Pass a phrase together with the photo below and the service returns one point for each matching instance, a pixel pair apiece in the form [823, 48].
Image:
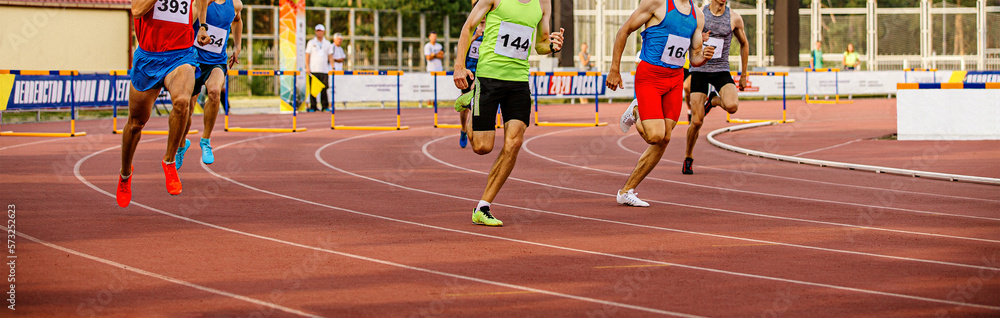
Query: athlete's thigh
[671, 102]
[516, 103]
[730, 94]
[140, 103]
[487, 95]
[514, 129]
[216, 79]
[180, 82]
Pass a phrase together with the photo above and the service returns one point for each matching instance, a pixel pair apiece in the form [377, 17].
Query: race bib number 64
[172, 10]
[674, 51]
[218, 37]
[514, 40]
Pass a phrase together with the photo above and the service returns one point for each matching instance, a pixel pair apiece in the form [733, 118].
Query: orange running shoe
[124, 192]
[173, 182]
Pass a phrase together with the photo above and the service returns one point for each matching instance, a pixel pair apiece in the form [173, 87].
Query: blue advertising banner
[577, 85]
[982, 77]
[56, 91]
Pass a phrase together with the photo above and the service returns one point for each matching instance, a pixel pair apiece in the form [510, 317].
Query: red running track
[335, 223]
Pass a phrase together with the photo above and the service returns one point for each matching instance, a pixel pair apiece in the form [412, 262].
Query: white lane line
[527, 149]
[719, 271]
[849, 227]
[826, 148]
[79, 176]
[621, 145]
[30, 143]
[164, 277]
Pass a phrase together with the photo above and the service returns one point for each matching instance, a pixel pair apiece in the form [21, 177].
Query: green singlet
[508, 40]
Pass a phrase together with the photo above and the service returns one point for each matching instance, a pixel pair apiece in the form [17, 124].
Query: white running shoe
[628, 117]
[629, 198]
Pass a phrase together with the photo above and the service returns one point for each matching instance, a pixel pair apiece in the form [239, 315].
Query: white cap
[320, 27]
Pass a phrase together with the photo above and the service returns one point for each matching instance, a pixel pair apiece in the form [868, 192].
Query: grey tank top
[722, 29]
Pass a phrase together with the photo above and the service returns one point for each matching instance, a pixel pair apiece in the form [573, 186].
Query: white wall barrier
[949, 111]
[420, 86]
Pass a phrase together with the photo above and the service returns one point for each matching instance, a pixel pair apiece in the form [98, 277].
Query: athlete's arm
[237, 27]
[639, 17]
[201, 9]
[741, 36]
[465, 41]
[140, 7]
[698, 54]
[543, 38]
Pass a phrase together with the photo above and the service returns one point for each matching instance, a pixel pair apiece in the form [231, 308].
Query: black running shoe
[708, 103]
[686, 169]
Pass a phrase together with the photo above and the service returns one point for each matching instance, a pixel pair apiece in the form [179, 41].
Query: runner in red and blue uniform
[673, 29]
[165, 59]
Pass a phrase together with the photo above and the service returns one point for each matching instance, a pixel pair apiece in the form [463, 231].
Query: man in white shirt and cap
[319, 57]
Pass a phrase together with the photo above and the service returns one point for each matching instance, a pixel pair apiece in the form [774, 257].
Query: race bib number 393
[218, 36]
[172, 10]
[514, 40]
[474, 49]
[674, 51]
[717, 44]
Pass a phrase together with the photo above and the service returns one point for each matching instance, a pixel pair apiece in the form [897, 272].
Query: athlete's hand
[203, 37]
[704, 35]
[614, 81]
[743, 82]
[460, 74]
[707, 51]
[234, 59]
[556, 38]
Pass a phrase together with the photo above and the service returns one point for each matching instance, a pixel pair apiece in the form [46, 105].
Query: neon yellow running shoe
[463, 101]
[482, 216]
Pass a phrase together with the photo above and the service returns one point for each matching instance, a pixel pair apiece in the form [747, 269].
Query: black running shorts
[701, 80]
[206, 72]
[512, 98]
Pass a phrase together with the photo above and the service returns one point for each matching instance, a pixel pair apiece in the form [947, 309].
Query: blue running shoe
[206, 152]
[463, 140]
[179, 159]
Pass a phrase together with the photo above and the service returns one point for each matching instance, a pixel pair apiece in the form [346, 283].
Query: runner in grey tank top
[720, 30]
[711, 84]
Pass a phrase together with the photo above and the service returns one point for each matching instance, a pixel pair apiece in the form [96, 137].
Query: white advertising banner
[421, 86]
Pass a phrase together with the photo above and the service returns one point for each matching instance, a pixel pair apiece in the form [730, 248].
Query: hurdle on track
[333, 108]
[114, 109]
[836, 86]
[784, 100]
[276, 74]
[72, 108]
[597, 115]
[458, 126]
[907, 71]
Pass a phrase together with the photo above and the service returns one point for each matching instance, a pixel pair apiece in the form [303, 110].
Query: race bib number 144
[514, 40]
[172, 11]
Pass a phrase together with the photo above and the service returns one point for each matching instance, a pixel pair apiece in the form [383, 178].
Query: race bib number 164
[674, 50]
[514, 40]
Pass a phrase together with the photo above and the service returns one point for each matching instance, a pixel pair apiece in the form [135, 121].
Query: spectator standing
[434, 53]
[851, 59]
[319, 56]
[817, 56]
[339, 56]
[585, 63]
